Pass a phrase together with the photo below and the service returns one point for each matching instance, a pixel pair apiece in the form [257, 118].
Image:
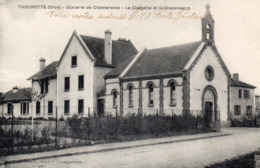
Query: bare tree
[33, 96]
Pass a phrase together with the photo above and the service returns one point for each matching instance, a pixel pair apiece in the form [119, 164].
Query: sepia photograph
[133, 84]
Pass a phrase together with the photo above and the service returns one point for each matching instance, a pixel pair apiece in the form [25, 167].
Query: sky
[26, 35]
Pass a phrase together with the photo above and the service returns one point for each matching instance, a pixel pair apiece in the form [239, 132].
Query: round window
[209, 73]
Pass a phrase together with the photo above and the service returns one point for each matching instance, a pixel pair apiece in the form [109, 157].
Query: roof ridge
[132, 63]
[125, 41]
[119, 66]
[174, 45]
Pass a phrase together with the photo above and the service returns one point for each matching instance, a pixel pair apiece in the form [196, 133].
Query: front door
[208, 114]
[100, 107]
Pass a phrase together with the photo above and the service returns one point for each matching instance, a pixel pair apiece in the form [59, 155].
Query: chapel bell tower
[207, 24]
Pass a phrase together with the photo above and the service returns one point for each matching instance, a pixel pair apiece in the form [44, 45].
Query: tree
[34, 96]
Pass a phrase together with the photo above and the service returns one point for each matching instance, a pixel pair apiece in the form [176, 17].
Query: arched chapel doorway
[209, 106]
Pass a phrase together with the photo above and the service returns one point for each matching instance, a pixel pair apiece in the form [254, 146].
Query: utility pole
[12, 109]
[56, 127]
[32, 121]
[35, 97]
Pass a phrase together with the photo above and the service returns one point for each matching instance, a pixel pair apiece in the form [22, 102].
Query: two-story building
[242, 98]
[257, 104]
[44, 84]
[72, 84]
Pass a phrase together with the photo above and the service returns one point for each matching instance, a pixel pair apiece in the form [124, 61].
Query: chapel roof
[166, 60]
[120, 68]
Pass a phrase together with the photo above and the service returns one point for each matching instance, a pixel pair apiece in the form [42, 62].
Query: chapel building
[177, 79]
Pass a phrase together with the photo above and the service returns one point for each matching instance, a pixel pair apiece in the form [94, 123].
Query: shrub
[51, 118]
[40, 118]
[110, 127]
[46, 133]
[61, 118]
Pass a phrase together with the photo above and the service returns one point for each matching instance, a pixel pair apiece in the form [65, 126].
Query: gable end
[84, 47]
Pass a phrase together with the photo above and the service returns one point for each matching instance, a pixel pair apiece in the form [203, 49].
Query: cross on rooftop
[207, 7]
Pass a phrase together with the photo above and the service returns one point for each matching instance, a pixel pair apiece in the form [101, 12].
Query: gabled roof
[121, 50]
[48, 71]
[94, 49]
[22, 94]
[236, 83]
[160, 61]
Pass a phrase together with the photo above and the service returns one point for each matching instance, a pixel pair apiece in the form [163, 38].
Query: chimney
[15, 89]
[108, 46]
[236, 76]
[42, 63]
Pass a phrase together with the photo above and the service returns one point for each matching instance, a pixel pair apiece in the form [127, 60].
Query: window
[81, 82]
[209, 73]
[46, 82]
[66, 107]
[81, 106]
[50, 107]
[248, 110]
[237, 109]
[246, 94]
[114, 93]
[208, 31]
[38, 107]
[44, 86]
[130, 89]
[172, 94]
[9, 108]
[74, 61]
[239, 93]
[150, 94]
[67, 84]
[25, 108]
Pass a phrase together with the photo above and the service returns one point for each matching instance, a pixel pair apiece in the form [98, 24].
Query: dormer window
[73, 61]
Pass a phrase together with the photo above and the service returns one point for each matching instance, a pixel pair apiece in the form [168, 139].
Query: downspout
[121, 95]
[57, 92]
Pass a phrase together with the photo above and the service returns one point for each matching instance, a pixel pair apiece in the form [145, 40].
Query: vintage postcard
[136, 83]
